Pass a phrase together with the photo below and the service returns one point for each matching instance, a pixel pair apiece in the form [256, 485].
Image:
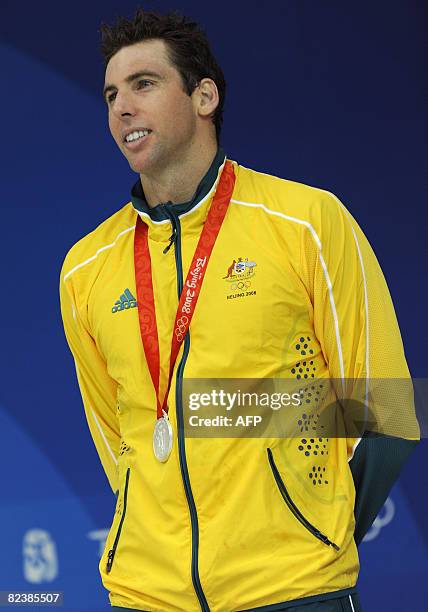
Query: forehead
[150, 55]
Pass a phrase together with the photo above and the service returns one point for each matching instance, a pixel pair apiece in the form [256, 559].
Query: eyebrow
[130, 78]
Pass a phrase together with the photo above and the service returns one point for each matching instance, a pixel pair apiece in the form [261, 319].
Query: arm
[97, 388]
[355, 322]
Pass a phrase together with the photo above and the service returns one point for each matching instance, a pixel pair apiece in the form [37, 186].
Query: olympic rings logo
[181, 327]
[385, 516]
[240, 285]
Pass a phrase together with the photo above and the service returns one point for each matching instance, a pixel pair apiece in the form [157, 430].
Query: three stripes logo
[125, 302]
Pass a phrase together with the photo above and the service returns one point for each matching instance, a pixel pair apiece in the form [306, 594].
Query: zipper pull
[173, 225]
[171, 241]
[109, 560]
[325, 539]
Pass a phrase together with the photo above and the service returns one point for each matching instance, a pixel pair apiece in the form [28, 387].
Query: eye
[143, 84]
[111, 97]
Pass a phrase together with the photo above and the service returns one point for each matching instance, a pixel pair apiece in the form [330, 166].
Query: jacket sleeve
[356, 325]
[97, 388]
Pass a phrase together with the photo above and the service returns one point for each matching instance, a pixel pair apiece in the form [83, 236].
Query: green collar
[158, 213]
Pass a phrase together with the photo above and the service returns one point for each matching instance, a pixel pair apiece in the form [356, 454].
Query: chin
[145, 164]
[139, 165]
[139, 161]
[135, 167]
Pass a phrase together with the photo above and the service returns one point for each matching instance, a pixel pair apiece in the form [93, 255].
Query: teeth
[137, 134]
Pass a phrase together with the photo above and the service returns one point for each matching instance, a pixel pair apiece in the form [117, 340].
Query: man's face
[144, 93]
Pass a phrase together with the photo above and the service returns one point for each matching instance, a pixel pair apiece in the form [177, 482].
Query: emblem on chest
[240, 278]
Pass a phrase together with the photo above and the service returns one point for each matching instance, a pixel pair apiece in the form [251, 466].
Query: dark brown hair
[187, 45]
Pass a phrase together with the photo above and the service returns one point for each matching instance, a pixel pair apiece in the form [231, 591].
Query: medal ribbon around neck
[191, 288]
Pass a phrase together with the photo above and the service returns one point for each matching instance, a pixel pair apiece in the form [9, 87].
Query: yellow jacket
[228, 524]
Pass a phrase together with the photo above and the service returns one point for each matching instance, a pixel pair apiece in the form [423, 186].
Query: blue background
[326, 93]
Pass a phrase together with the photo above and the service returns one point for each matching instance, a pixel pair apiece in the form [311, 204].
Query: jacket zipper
[294, 509]
[112, 551]
[176, 238]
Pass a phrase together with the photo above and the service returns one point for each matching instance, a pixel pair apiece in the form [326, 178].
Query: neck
[178, 181]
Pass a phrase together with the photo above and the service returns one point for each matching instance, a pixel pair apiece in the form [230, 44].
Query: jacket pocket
[112, 551]
[294, 509]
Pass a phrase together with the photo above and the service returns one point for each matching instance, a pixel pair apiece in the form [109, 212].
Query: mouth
[134, 139]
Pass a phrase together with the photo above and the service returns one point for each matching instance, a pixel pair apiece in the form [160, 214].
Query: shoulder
[97, 244]
[296, 201]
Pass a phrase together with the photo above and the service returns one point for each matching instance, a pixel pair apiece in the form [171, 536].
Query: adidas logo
[126, 301]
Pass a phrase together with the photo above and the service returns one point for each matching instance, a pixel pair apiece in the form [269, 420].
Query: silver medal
[162, 438]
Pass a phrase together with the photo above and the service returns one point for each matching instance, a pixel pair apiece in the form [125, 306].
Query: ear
[206, 97]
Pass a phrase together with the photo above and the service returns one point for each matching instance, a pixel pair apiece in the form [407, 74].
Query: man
[221, 524]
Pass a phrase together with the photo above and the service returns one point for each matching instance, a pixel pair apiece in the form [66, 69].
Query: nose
[123, 105]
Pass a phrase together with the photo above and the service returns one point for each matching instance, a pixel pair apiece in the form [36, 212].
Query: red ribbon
[191, 288]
